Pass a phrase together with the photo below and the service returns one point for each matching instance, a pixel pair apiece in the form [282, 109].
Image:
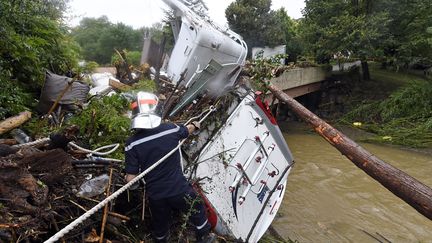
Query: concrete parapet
[299, 77]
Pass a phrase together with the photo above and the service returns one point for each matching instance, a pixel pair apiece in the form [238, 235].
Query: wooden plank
[14, 122]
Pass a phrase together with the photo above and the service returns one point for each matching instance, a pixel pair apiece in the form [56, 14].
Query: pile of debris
[42, 188]
[47, 182]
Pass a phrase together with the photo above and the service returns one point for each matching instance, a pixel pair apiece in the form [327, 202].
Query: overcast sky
[138, 13]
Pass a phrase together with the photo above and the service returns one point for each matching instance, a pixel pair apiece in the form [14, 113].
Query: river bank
[393, 107]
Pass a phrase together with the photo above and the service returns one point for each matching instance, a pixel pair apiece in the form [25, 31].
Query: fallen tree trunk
[412, 191]
[14, 122]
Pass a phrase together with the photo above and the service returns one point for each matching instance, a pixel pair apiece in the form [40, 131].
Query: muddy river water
[328, 199]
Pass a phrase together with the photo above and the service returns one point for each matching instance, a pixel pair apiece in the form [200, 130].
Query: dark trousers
[161, 211]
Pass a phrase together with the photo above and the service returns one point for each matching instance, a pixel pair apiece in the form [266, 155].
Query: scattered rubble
[45, 186]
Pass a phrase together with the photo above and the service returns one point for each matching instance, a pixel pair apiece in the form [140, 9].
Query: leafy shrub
[134, 58]
[262, 69]
[147, 85]
[32, 38]
[104, 122]
[13, 99]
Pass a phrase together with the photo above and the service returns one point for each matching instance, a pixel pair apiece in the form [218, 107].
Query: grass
[392, 78]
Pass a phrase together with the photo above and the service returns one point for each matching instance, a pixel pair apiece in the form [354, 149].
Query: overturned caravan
[239, 161]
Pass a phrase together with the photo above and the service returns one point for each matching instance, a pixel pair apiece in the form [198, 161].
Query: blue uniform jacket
[146, 147]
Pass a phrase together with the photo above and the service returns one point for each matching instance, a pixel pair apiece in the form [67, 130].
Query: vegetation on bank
[397, 108]
[103, 121]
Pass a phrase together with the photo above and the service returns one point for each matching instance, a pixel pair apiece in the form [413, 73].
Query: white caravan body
[245, 166]
[198, 41]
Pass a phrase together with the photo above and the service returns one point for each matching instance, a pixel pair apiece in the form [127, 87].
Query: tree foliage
[32, 38]
[98, 38]
[410, 41]
[260, 26]
[289, 28]
[103, 122]
[393, 32]
[338, 26]
[133, 58]
[249, 19]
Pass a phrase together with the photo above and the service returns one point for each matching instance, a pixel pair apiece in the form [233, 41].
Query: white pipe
[96, 151]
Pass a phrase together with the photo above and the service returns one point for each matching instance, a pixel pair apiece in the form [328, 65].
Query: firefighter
[166, 187]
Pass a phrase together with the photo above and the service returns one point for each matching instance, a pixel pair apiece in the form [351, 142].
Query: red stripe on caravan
[265, 107]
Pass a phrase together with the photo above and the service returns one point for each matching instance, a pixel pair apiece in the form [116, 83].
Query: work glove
[137, 185]
[196, 124]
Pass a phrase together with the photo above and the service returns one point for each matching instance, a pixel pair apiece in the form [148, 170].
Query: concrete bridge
[300, 81]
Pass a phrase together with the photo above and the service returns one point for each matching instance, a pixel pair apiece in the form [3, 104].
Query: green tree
[260, 26]
[393, 32]
[133, 58]
[99, 38]
[410, 41]
[118, 36]
[249, 18]
[88, 33]
[288, 28]
[338, 26]
[256, 22]
[33, 38]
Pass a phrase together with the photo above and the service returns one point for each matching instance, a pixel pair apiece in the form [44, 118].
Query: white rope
[86, 215]
[104, 159]
[34, 143]
[96, 151]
